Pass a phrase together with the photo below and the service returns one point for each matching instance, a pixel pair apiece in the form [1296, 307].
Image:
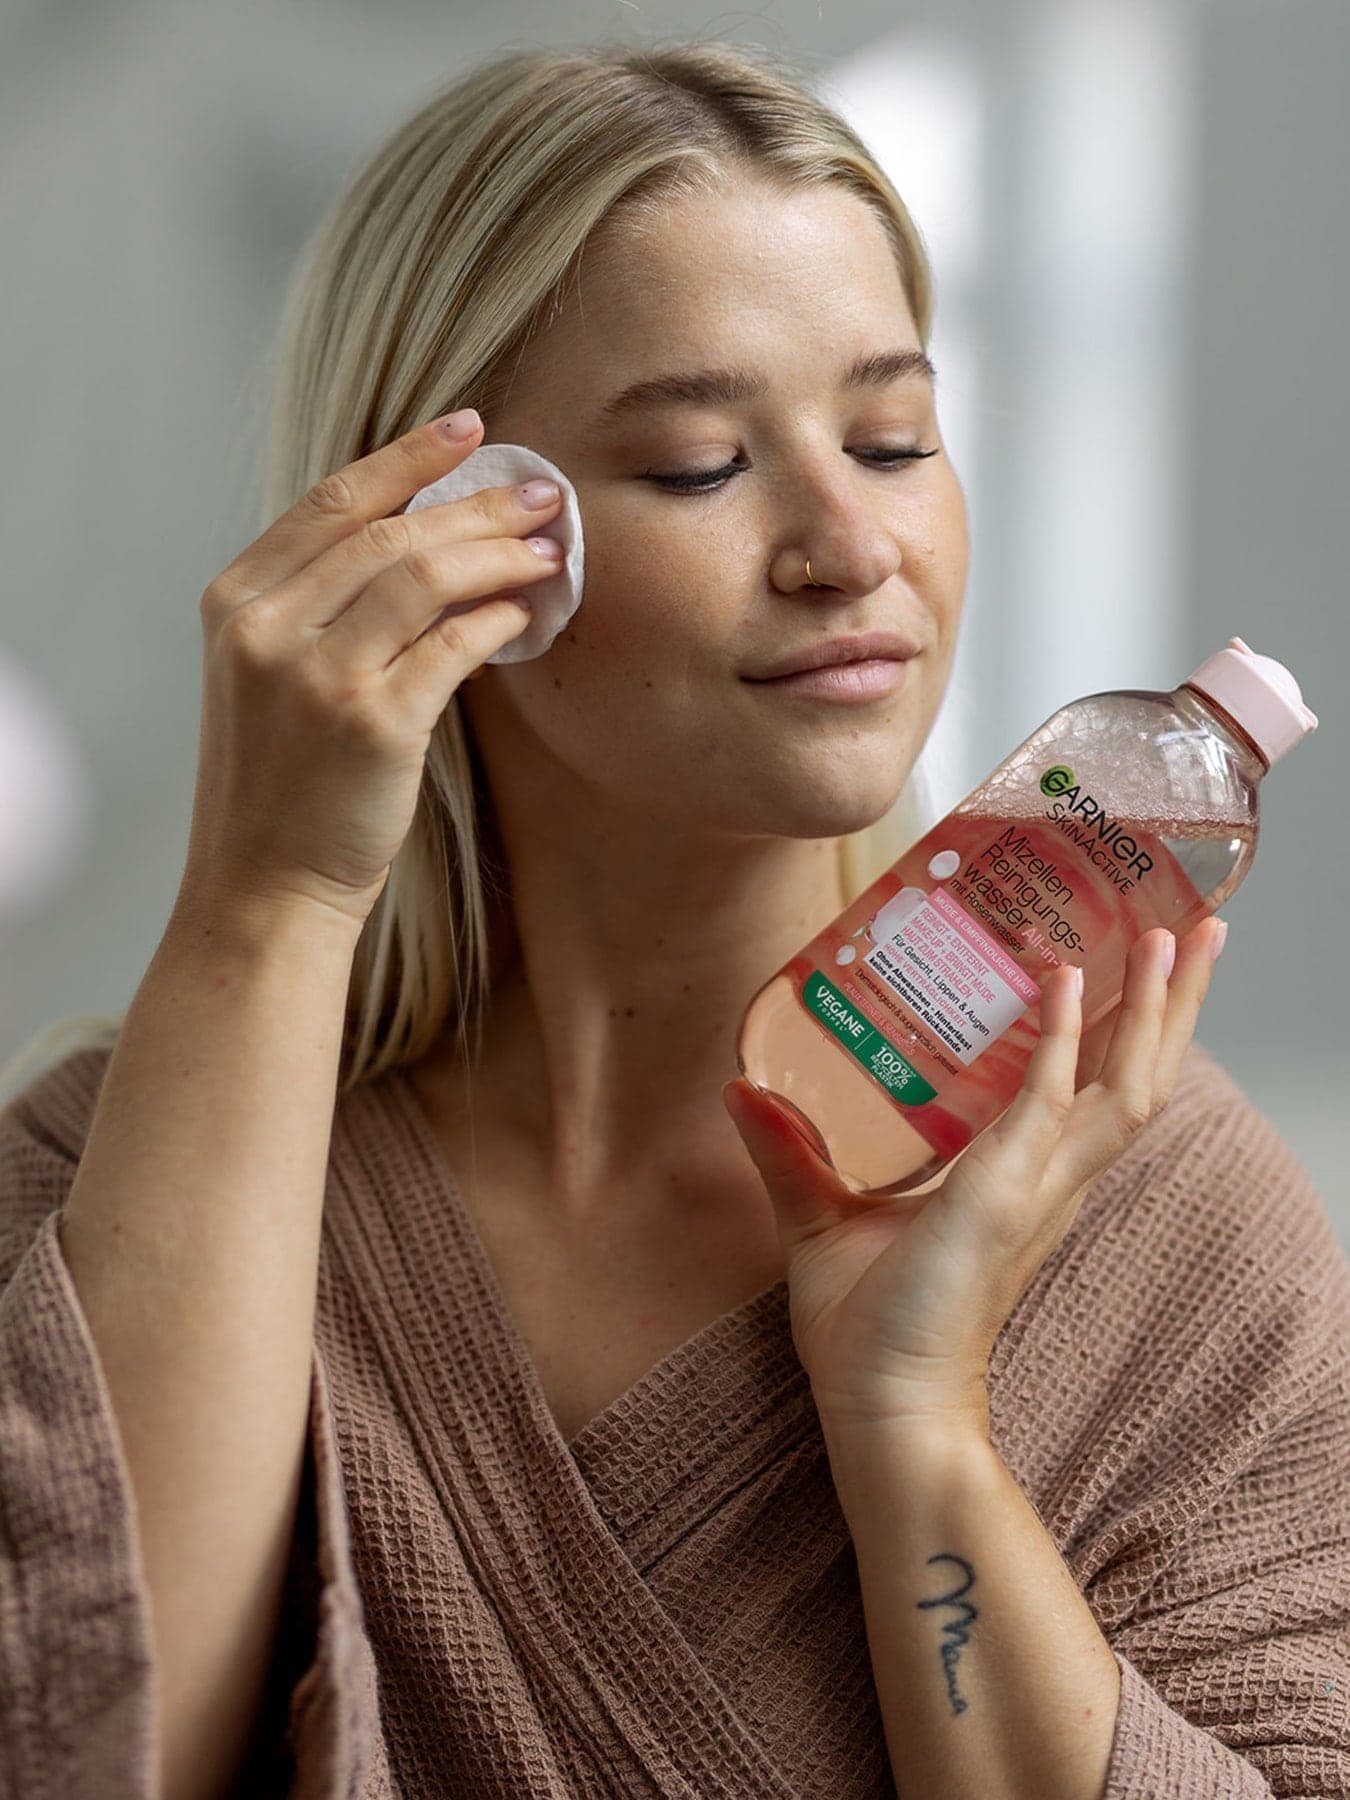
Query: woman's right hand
[326, 665]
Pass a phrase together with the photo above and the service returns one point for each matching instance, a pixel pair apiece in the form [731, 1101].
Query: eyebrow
[730, 387]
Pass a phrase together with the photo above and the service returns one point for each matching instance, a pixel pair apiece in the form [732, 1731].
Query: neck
[624, 960]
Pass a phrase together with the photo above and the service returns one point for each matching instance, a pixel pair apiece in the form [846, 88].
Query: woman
[605, 1457]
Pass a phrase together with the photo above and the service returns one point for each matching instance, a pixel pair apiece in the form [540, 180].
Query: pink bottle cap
[1261, 695]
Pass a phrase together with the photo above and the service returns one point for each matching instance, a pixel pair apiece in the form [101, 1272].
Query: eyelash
[707, 481]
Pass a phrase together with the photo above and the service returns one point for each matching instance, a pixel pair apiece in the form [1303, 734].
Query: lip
[868, 646]
[870, 679]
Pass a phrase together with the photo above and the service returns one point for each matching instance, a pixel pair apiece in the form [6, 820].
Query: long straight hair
[419, 289]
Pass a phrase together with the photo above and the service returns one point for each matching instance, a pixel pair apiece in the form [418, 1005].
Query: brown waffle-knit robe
[669, 1605]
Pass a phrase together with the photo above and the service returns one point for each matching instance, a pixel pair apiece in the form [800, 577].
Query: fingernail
[460, 425]
[1078, 979]
[1169, 955]
[537, 494]
[1220, 939]
[545, 546]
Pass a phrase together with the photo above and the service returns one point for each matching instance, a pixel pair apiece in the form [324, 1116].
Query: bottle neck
[1191, 703]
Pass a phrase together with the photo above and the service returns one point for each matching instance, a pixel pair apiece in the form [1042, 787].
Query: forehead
[747, 273]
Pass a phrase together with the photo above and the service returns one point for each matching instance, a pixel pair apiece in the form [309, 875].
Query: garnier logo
[1087, 820]
[1056, 780]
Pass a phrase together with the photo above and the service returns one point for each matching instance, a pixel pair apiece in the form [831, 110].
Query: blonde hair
[449, 249]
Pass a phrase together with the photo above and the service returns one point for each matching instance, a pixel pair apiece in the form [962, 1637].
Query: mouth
[866, 667]
[872, 678]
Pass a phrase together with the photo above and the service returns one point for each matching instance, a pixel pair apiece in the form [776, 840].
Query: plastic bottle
[902, 1030]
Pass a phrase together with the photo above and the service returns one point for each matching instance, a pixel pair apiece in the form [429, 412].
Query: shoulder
[1213, 1201]
[1201, 1292]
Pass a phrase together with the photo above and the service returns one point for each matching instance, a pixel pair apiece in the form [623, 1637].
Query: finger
[803, 1187]
[1093, 1045]
[424, 677]
[1186, 995]
[340, 503]
[1025, 1133]
[1127, 1072]
[1119, 1100]
[445, 582]
[324, 591]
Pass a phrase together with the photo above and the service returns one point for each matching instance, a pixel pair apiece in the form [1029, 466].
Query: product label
[935, 972]
[951, 974]
[877, 1055]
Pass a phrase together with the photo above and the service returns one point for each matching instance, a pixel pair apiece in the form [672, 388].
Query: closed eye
[704, 481]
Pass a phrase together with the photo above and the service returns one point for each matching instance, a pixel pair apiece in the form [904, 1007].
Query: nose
[851, 536]
[838, 566]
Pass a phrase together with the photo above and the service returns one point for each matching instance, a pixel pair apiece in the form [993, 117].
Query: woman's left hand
[896, 1304]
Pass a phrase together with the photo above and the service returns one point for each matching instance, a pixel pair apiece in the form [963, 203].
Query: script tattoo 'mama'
[954, 1630]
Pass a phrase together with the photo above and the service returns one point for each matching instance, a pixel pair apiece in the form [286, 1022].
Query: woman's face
[644, 697]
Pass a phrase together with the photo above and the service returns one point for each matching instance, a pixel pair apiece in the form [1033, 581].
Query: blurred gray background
[1137, 213]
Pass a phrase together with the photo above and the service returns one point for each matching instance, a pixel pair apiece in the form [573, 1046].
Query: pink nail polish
[1169, 955]
[460, 425]
[1221, 938]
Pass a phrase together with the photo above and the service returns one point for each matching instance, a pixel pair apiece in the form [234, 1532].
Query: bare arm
[192, 1233]
[191, 1229]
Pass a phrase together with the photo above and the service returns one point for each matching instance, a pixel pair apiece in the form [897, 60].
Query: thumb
[800, 1182]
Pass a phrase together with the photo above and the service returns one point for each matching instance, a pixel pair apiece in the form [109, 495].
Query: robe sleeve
[1234, 1649]
[78, 1678]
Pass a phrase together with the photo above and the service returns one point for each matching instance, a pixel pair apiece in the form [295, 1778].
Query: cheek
[650, 595]
[936, 542]
[956, 518]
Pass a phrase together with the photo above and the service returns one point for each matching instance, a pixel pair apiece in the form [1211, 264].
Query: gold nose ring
[810, 578]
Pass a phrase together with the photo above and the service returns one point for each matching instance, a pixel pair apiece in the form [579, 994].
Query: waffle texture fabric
[552, 601]
[668, 1605]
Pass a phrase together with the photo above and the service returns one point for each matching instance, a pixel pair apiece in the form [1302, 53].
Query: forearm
[191, 1232]
[993, 1678]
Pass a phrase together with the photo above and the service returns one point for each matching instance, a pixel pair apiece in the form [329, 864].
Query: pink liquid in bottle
[903, 1029]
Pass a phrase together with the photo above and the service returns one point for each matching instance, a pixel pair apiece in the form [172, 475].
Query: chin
[807, 814]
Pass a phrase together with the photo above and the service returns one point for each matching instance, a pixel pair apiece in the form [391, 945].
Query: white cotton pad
[551, 601]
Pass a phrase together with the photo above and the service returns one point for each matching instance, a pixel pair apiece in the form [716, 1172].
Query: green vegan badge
[877, 1054]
